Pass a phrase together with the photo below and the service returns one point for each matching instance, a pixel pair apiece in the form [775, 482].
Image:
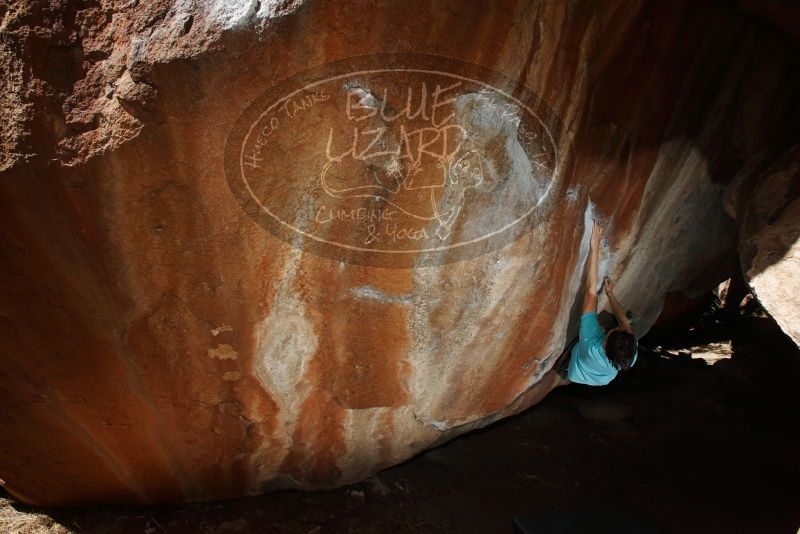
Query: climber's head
[620, 348]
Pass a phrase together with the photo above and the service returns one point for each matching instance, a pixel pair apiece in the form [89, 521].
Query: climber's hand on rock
[608, 285]
[597, 233]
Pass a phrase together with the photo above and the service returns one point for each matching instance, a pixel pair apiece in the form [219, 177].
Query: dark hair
[620, 348]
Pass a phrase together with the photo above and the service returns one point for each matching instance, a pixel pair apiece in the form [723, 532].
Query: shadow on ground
[677, 444]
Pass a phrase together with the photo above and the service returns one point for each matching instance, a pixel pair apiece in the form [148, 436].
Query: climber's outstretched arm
[590, 290]
[616, 307]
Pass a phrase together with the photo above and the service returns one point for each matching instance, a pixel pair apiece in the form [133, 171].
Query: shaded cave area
[700, 436]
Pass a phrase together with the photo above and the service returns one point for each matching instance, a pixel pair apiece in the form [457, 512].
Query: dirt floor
[679, 444]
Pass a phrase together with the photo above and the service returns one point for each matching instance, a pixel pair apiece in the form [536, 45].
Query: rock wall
[177, 329]
[769, 239]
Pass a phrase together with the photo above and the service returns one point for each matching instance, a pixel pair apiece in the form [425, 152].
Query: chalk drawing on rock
[388, 159]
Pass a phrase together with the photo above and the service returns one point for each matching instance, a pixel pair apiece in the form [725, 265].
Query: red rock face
[167, 341]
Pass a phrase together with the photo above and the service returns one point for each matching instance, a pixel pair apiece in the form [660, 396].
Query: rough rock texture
[160, 345]
[769, 233]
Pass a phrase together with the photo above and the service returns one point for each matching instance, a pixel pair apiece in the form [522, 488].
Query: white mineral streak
[285, 347]
[477, 297]
[232, 14]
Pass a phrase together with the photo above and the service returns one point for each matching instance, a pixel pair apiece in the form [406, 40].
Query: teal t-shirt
[589, 363]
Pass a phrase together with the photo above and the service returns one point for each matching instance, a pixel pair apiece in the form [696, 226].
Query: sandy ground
[677, 443]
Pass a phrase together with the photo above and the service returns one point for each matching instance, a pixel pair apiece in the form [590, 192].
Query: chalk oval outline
[558, 153]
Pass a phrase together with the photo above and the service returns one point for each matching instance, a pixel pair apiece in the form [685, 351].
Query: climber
[597, 356]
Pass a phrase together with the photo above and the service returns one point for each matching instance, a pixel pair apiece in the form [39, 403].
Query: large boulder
[254, 245]
[769, 234]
